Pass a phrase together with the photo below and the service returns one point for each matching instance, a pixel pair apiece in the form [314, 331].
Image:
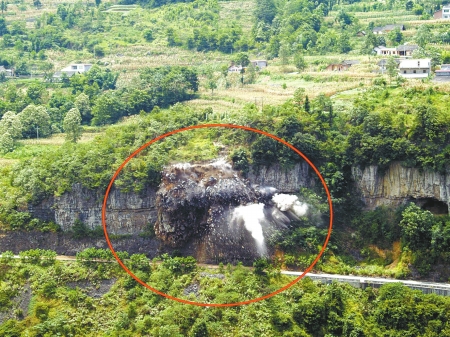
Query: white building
[415, 68]
[235, 69]
[7, 72]
[405, 50]
[76, 68]
[259, 63]
[443, 13]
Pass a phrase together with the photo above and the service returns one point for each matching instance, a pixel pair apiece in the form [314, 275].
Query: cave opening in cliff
[433, 205]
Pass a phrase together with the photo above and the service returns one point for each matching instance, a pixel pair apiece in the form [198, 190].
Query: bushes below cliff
[99, 299]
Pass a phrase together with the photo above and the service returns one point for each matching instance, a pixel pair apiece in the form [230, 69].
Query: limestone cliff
[127, 212]
[284, 180]
[400, 184]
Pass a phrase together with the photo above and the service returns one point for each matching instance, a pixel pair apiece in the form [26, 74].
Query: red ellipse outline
[232, 126]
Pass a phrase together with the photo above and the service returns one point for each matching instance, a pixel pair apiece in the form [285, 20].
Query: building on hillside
[338, 67]
[405, 50]
[415, 68]
[386, 29]
[361, 33]
[75, 68]
[260, 64]
[385, 51]
[344, 65]
[350, 62]
[443, 13]
[235, 69]
[383, 63]
[7, 72]
[444, 71]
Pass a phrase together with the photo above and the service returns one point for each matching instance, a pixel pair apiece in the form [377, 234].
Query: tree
[429, 52]
[391, 67]
[47, 68]
[299, 61]
[251, 73]
[284, 54]
[35, 92]
[3, 7]
[370, 42]
[241, 59]
[299, 96]
[199, 330]
[97, 2]
[35, 121]
[172, 38]
[307, 105]
[265, 11]
[37, 3]
[395, 36]
[10, 123]
[72, 125]
[6, 142]
[211, 80]
[3, 28]
[417, 9]
[83, 105]
[108, 108]
[423, 35]
[260, 265]
[343, 43]
[409, 5]
[148, 35]
[344, 19]
[416, 227]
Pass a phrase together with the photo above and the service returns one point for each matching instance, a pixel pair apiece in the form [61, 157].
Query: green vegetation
[148, 57]
[92, 298]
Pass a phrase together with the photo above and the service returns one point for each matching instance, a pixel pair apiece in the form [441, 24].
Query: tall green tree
[422, 36]
[3, 6]
[11, 123]
[299, 61]
[3, 28]
[391, 68]
[72, 125]
[416, 227]
[83, 105]
[241, 59]
[265, 11]
[35, 121]
[284, 54]
[395, 36]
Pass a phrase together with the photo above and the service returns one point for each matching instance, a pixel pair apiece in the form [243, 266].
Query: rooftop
[416, 63]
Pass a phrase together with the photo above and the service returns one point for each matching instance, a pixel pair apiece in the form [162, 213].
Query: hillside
[84, 85]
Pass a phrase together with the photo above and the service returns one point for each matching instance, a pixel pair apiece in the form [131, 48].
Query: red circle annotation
[232, 126]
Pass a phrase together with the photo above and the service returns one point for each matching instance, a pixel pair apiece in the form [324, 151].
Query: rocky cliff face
[127, 212]
[192, 197]
[130, 213]
[400, 184]
[284, 180]
[192, 210]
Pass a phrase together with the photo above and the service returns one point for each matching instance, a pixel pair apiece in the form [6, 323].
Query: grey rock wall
[399, 184]
[127, 212]
[285, 180]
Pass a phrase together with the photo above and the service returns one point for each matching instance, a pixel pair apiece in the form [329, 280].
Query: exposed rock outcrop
[284, 180]
[127, 212]
[400, 184]
[192, 197]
